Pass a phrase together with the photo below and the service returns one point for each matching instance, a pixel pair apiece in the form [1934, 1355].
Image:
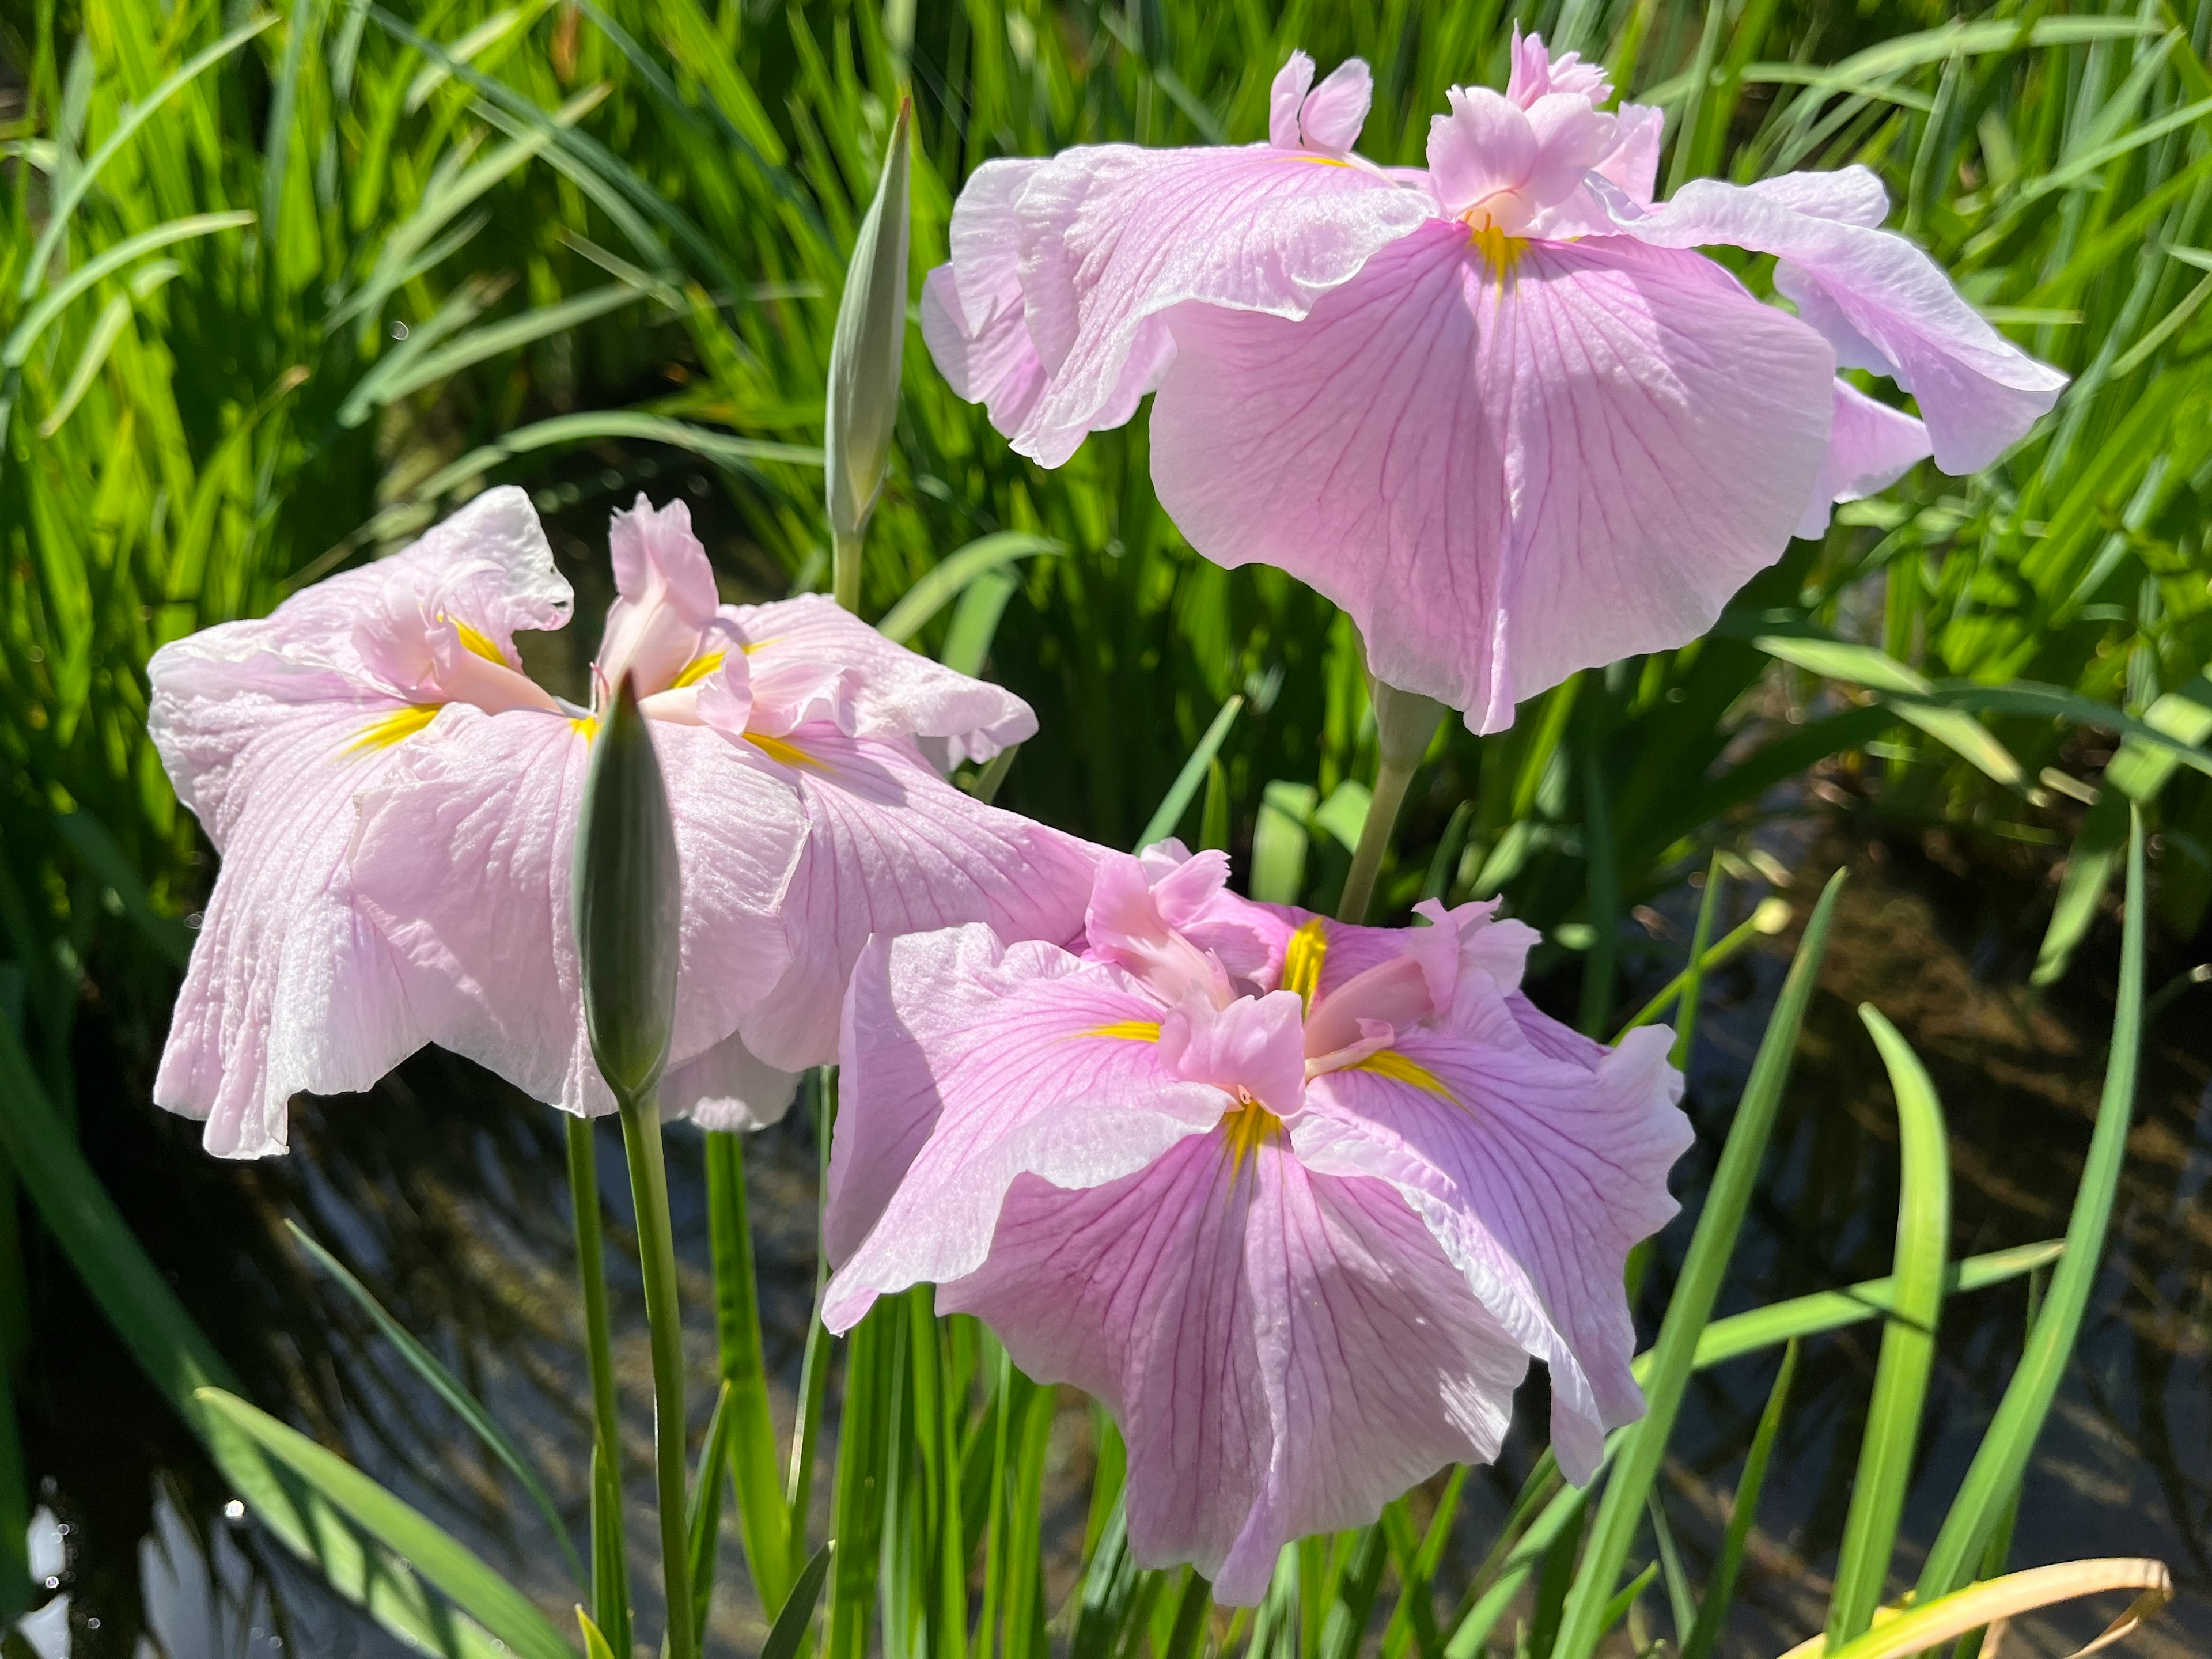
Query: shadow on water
[446, 1191]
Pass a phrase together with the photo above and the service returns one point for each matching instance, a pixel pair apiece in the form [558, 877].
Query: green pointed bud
[627, 905]
[863, 363]
[1404, 723]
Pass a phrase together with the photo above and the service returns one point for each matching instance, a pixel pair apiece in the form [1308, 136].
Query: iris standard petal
[464, 856]
[666, 601]
[891, 847]
[1112, 236]
[972, 316]
[1504, 473]
[1883, 302]
[892, 692]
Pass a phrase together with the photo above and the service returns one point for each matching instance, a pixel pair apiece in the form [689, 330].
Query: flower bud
[864, 362]
[628, 902]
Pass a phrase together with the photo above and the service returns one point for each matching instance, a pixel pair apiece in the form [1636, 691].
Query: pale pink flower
[1296, 1199]
[395, 802]
[1500, 410]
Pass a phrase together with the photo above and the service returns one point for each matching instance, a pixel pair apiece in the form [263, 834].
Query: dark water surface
[446, 1191]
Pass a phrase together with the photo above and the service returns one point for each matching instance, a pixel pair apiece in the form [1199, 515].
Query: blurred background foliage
[277, 288]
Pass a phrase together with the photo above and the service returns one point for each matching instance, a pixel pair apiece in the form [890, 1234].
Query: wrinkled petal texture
[465, 857]
[1883, 303]
[891, 847]
[891, 692]
[965, 1062]
[289, 986]
[1503, 477]
[269, 729]
[1287, 1351]
[1536, 1174]
[972, 317]
[1112, 236]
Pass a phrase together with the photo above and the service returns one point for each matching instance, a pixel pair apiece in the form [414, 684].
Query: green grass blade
[741, 454]
[133, 116]
[1771, 916]
[703, 1525]
[107, 263]
[1173, 805]
[1694, 975]
[595, 1643]
[1617, 1609]
[1874, 1298]
[426, 1547]
[1908, 1341]
[873, 1352]
[112, 317]
[1743, 1514]
[764, 1515]
[1620, 1511]
[975, 623]
[2002, 1457]
[789, 1630]
[1349, 1610]
[2089, 866]
[945, 581]
[448, 1388]
[1680, 1600]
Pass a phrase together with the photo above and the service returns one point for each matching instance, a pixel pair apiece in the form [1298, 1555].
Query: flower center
[1246, 1126]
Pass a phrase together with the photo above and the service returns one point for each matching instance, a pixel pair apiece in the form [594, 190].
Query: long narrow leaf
[1743, 1513]
[1908, 1341]
[1173, 805]
[449, 1388]
[135, 116]
[1620, 1511]
[945, 581]
[2002, 1458]
[425, 1546]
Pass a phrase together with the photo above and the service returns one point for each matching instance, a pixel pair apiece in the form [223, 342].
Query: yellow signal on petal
[696, 669]
[788, 753]
[395, 727]
[1302, 958]
[586, 727]
[479, 643]
[1128, 1031]
[1389, 1062]
[1246, 1126]
[1500, 252]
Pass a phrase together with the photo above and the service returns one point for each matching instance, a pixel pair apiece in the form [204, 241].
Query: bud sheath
[863, 363]
[627, 902]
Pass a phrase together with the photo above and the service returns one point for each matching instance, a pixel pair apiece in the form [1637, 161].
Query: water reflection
[445, 1191]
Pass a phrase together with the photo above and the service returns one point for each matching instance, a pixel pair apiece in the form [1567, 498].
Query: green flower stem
[1404, 723]
[845, 570]
[610, 1570]
[656, 1253]
[1391, 783]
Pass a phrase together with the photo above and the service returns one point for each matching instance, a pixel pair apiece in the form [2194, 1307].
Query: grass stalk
[610, 1566]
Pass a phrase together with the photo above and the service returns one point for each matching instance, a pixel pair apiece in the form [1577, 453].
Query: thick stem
[656, 1254]
[845, 570]
[610, 1570]
[1404, 723]
[1390, 786]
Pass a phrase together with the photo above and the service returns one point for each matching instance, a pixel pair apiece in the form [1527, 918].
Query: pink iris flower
[1500, 410]
[1215, 1166]
[395, 802]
